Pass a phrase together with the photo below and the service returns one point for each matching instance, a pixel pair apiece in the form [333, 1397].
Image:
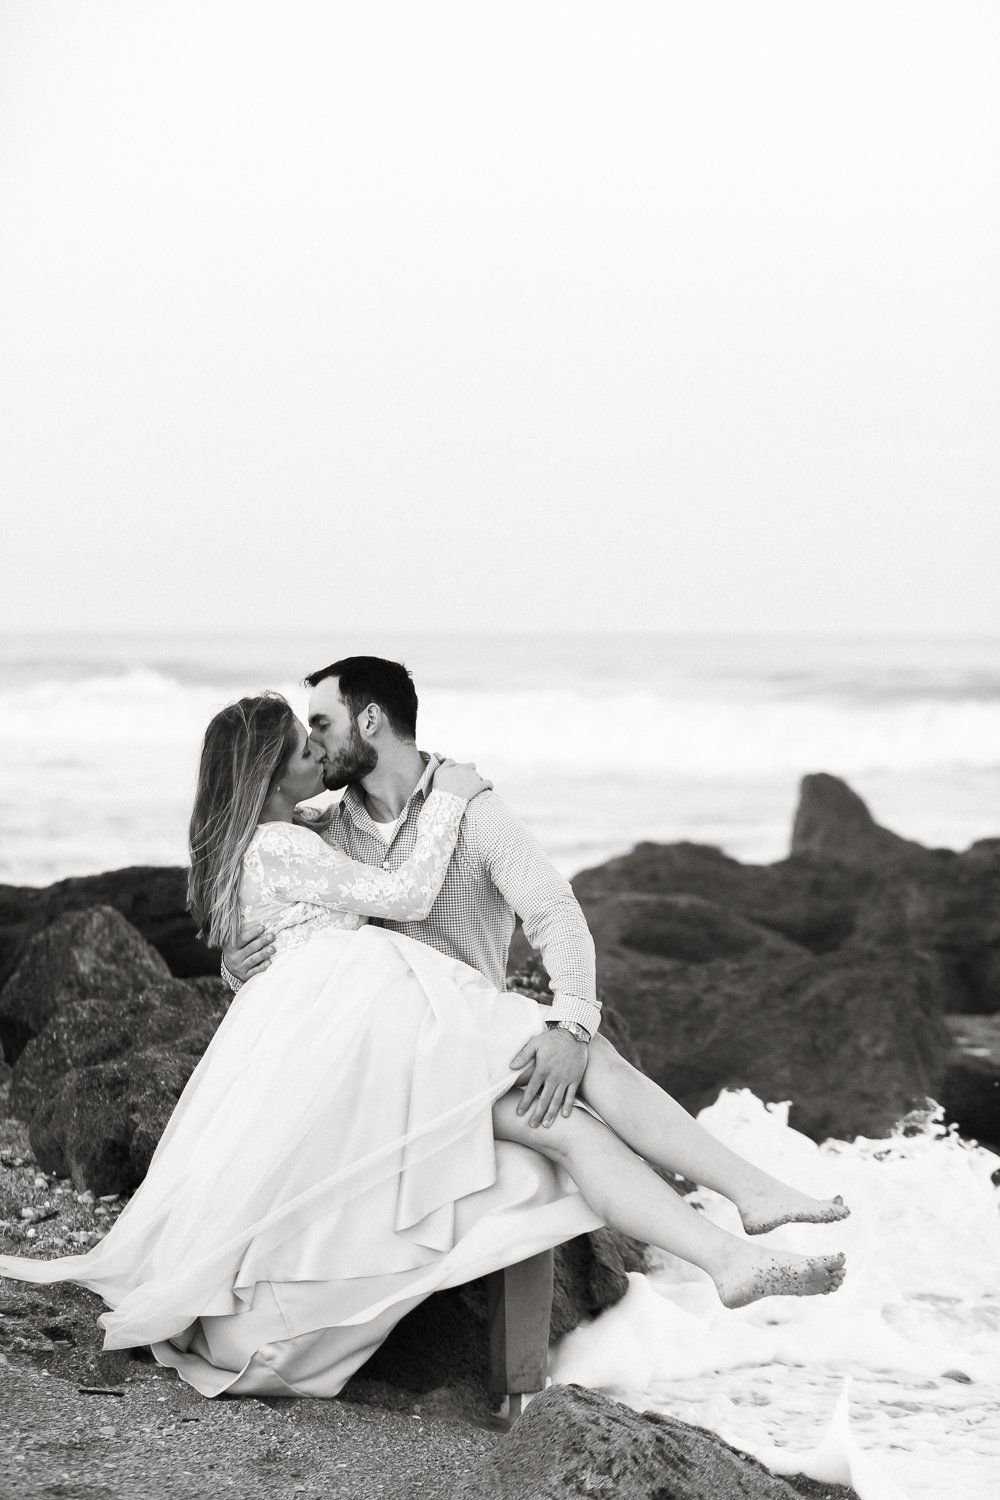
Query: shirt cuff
[233, 983]
[572, 1008]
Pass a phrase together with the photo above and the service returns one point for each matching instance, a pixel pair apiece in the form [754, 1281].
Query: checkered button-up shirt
[497, 873]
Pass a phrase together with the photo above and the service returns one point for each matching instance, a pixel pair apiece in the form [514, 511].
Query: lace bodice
[296, 884]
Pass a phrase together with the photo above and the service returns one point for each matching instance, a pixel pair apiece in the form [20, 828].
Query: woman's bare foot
[752, 1273]
[780, 1204]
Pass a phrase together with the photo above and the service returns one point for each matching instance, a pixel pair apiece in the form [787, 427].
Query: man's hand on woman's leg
[560, 1062]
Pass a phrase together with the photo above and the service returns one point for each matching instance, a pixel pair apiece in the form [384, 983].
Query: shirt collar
[353, 800]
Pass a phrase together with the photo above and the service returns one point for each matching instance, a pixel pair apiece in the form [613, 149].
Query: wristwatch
[573, 1027]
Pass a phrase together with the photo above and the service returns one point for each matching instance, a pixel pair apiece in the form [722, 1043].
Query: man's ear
[370, 719]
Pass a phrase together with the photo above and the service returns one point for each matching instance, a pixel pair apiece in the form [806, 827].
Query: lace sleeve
[296, 865]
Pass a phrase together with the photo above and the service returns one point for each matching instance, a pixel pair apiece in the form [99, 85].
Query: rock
[854, 1039]
[591, 1273]
[20, 908]
[872, 890]
[811, 902]
[934, 900]
[93, 953]
[99, 1084]
[574, 1441]
[948, 907]
[970, 1095]
[683, 929]
[833, 822]
[152, 898]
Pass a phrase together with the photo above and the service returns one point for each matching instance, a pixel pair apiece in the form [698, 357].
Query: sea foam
[578, 732]
[914, 1327]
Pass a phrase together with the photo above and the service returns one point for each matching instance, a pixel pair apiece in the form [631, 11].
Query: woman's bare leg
[629, 1196]
[659, 1129]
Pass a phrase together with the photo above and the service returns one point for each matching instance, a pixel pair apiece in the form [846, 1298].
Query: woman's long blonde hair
[246, 746]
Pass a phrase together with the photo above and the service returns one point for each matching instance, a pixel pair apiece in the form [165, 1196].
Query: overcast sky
[673, 316]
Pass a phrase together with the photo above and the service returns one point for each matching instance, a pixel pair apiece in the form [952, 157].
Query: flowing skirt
[330, 1163]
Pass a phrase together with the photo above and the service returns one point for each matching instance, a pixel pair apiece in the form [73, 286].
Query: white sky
[675, 316]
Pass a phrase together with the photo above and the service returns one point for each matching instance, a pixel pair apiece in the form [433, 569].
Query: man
[362, 718]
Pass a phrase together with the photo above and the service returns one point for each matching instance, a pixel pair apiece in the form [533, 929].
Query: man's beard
[350, 765]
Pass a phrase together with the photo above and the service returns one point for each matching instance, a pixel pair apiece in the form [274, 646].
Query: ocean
[893, 1384]
[596, 742]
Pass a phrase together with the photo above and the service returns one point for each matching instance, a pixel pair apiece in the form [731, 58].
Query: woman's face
[302, 774]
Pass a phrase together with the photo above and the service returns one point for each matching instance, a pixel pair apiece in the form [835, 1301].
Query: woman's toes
[796, 1209]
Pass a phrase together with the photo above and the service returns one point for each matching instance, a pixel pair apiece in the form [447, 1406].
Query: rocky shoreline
[857, 978]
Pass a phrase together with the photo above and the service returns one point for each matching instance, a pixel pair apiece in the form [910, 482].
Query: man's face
[347, 756]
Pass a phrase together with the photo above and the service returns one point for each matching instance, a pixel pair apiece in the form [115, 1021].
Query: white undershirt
[387, 831]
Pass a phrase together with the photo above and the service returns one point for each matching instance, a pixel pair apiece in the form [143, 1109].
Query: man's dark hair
[372, 679]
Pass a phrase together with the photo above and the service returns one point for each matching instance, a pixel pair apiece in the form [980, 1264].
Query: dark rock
[685, 929]
[872, 890]
[949, 908]
[152, 898]
[20, 915]
[572, 1441]
[172, 1012]
[833, 822]
[855, 1040]
[970, 1095]
[100, 1083]
[93, 953]
[932, 900]
[591, 1273]
[811, 902]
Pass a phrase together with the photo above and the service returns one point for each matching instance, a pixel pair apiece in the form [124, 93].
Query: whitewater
[891, 1384]
[595, 742]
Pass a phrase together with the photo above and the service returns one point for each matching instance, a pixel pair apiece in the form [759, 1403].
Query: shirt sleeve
[553, 921]
[297, 865]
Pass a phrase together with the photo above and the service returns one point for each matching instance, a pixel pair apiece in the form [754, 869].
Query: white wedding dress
[331, 1161]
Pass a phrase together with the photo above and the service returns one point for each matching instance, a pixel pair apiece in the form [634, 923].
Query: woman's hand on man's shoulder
[460, 779]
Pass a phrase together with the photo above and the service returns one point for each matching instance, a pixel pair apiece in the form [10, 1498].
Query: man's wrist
[574, 1028]
[570, 1007]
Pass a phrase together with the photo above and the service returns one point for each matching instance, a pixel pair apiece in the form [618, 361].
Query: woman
[344, 1146]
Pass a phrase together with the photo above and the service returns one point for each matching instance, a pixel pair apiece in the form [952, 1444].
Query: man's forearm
[553, 921]
[562, 938]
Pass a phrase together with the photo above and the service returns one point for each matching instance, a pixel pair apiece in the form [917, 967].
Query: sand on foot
[784, 1205]
[756, 1273]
